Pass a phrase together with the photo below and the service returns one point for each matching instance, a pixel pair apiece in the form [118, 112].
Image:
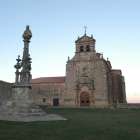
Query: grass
[82, 124]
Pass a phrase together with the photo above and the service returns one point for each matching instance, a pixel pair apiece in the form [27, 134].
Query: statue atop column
[27, 33]
[20, 104]
[20, 107]
[25, 63]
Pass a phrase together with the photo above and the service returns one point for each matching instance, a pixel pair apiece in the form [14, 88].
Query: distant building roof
[48, 80]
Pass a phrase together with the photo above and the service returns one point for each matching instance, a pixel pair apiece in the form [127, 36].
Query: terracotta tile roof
[48, 80]
[98, 54]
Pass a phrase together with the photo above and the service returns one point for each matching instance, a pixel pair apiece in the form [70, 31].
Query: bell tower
[85, 44]
[85, 48]
[79, 82]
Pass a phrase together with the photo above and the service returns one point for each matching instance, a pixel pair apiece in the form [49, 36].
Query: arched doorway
[84, 99]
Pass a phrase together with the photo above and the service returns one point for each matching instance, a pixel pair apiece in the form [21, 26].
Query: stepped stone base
[27, 114]
[21, 108]
[47, 117]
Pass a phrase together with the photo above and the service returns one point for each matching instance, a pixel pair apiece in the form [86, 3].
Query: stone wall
[5, 91]
[43, 94]
[70, 82]
[101, 84]
[109, 86]
[118, 88]
[129, 105]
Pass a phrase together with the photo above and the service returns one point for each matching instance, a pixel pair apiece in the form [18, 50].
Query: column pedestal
[20, 104]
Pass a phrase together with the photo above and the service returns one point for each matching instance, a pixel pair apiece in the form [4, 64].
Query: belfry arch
[87, 48]
[81, 49]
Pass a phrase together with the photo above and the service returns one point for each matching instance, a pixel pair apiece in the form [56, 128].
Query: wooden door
[85, 99]
[56, 102]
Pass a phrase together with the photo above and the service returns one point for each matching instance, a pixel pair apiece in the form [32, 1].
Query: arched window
[81, 49]
[87, 48]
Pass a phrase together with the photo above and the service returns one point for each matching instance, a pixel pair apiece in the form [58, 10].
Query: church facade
[90, 81]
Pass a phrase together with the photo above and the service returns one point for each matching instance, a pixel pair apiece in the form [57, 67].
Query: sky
[56, 24]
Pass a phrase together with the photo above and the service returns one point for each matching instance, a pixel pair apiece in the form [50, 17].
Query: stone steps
[29, 114]
[29, 110]
[16, 114]
[30, 107]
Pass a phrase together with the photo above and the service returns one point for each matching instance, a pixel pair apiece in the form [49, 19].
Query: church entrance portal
[84, 99]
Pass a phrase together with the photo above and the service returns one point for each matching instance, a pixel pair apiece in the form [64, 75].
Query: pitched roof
[85, 38]
[48, 80]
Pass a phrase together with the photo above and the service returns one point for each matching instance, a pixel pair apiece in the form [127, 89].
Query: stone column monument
[20, 104]
[20, 107]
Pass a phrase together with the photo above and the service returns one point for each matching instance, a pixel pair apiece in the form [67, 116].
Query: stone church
[90, 81]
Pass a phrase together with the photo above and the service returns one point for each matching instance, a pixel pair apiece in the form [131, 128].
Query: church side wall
[114, 88]
[118, 89]
[5, 91]
[46, 91]
[109, 85]
[124, 92]
[101, 85]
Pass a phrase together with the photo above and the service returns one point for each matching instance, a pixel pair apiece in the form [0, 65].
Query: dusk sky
[56, 24]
